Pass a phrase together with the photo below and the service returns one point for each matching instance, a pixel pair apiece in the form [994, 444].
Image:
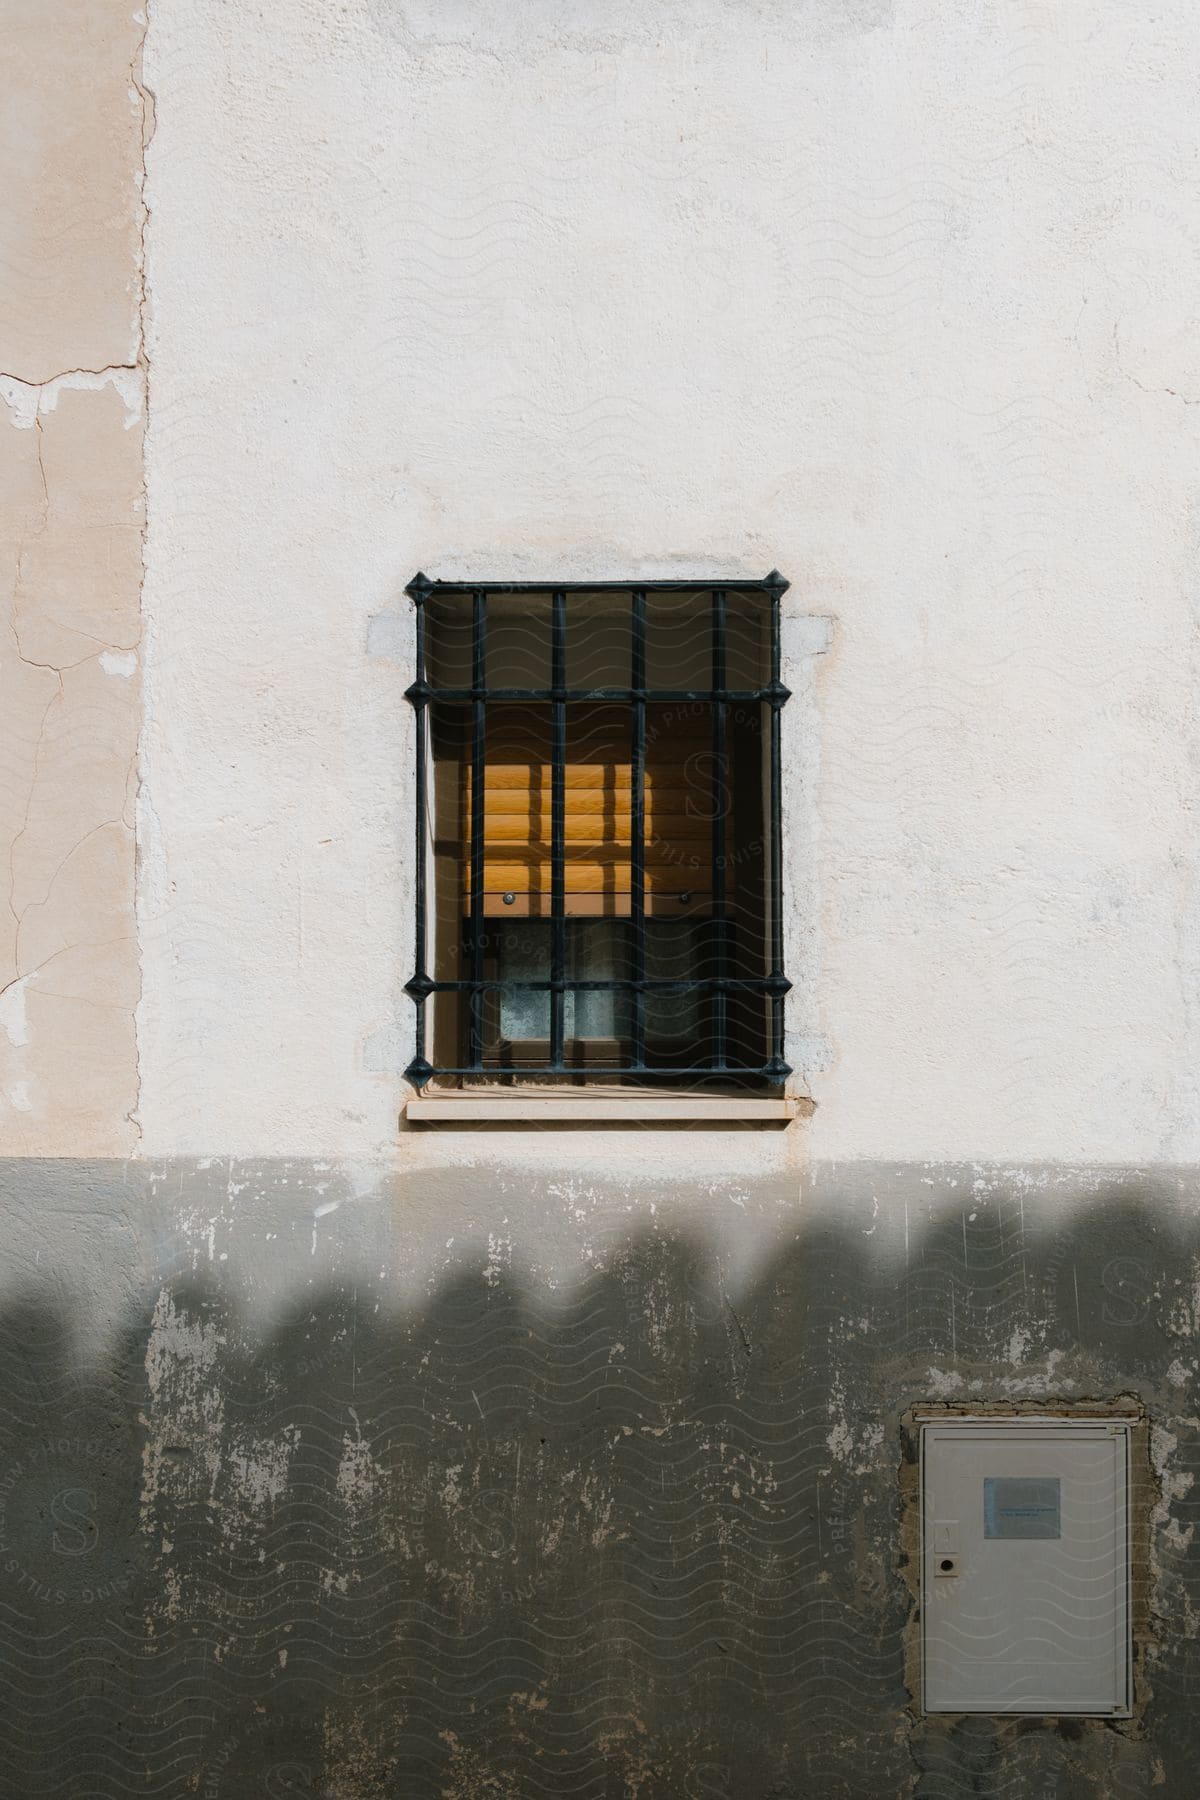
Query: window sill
[549, 1109]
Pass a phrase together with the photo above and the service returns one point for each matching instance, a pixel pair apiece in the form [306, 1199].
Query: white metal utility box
[1025, 1566]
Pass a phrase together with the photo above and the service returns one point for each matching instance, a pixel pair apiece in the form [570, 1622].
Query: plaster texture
[71, 521]
[351, 1483]
[896, 298]
[70, 236]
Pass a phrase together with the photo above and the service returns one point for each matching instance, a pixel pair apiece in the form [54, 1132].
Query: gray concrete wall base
[315, 1480]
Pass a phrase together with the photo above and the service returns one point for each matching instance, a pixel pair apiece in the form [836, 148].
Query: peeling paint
[123, 664]
[27, 402]
[14, 1020]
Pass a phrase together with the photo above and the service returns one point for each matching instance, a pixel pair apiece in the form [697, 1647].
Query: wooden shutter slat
[597, 810]
[595, 834]
[585, 877]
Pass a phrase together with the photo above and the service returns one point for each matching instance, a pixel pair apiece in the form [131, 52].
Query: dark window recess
[598, 857]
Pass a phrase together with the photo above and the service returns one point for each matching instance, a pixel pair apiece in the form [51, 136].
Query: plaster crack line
[39, 968]
[41, 463]
[67, 375]
[1174, 392]
[44, 900]
[19, 980]
[1187, 399]
[31, 662]
[35, 771]
[149, 102]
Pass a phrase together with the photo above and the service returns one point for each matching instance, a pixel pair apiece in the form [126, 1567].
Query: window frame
[480, 990]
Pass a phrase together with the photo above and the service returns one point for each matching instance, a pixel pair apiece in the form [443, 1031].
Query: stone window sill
[570, 1109]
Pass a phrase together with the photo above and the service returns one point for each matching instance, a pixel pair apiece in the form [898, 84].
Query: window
[598, 874]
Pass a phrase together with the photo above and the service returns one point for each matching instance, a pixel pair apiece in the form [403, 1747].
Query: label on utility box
[1022, 1506]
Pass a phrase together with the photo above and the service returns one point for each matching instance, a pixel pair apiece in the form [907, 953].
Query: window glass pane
[448, 640]
[674, 952]
[518, 640]
[678, 646]
[599, 640]
[679, 639]
[747, 844]
[597, 950]
[524, 955]
[747, 640]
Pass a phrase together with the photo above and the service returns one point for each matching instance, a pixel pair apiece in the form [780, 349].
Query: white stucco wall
[900, 299]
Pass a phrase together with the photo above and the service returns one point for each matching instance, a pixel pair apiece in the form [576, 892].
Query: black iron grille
[675, 937]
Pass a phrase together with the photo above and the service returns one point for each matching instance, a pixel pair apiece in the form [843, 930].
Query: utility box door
[1025, 1566]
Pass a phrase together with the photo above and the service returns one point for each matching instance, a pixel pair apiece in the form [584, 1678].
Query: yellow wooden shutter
[517, 800]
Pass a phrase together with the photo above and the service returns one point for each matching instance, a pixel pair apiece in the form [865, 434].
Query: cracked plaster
[71, 524]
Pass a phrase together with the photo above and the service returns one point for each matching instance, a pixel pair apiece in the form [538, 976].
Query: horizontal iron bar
[548, 695]
[769, 584]
[775, 1071]
[756, 984]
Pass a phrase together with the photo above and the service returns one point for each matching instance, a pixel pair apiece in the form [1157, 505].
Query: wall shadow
[639, 1540]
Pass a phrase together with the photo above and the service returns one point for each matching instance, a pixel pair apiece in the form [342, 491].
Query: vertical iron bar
[637, 825]
[558, 827]
[478, 822]
[420, 974]
[719, 798]
[775, 827]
